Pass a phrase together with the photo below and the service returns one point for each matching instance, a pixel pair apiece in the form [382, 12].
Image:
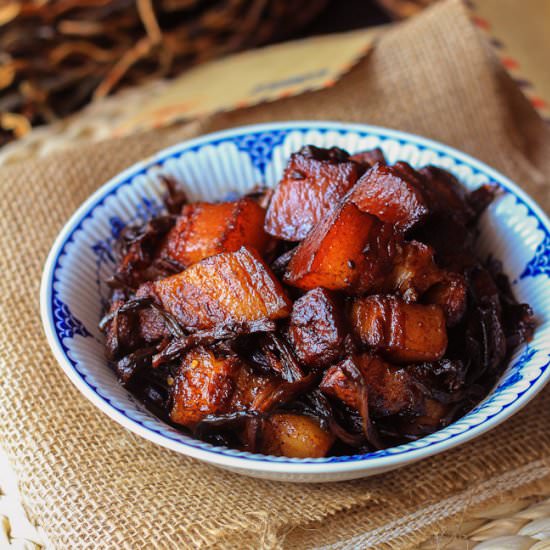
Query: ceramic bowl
[513, 230]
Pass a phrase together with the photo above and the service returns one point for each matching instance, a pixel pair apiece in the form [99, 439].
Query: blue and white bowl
[514, 230]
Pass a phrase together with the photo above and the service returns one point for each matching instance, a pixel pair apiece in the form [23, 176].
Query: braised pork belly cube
[391, 390]
[252, 390]
[369, 158]
[205, 229]
[413, 272]
[203, 386]
[317, 329]
[434, 417]
[152, 326]
[314, 180]
[392, 195]
[416, 277]
[348, 250]
[295, 436]
[442, 193]
[208, 383]
[409, 173]
[446, 195]
[451, 294]
[402, 332]
[233, 291]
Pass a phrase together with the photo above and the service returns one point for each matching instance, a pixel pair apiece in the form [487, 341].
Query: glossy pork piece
[369, 158]
[314, 180]
[204, 229]
[348, 250]
[152, 325]
[445, 194]
[229, 291]
[204, 385]
[413, 272]
[391, 390]
[296, 436]
[416, 277]
[434, 417]
[395, 390]
[392, 195]
[402, 332]
[252, 390]
[317, 328]
[451, 294]
[210, 383]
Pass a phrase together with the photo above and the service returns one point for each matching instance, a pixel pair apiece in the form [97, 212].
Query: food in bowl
[342, 312]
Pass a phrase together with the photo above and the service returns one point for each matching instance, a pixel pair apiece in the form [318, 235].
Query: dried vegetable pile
[56, 55]
[345, 311]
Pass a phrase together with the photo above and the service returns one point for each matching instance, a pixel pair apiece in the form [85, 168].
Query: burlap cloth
[91, 484]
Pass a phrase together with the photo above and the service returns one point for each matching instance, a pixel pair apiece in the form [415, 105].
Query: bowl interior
[227, 164]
